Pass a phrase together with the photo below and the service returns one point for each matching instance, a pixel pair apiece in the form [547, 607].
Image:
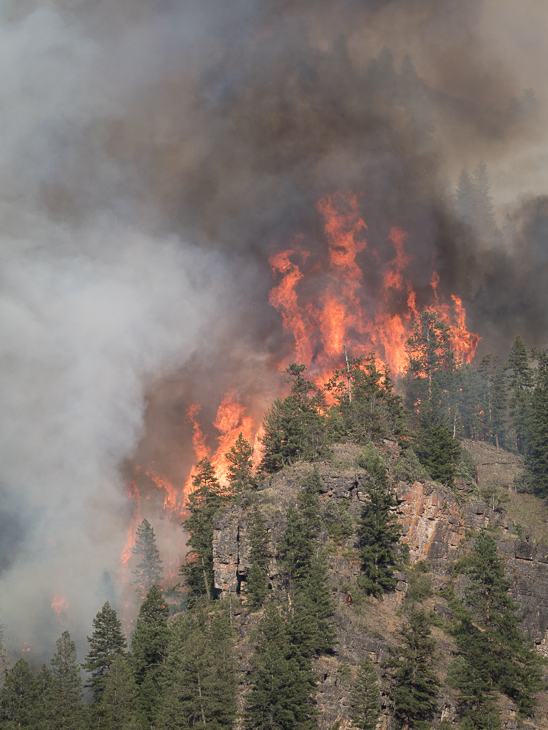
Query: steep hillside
[438, 524]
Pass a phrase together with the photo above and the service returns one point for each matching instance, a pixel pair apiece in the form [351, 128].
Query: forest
[178, 668]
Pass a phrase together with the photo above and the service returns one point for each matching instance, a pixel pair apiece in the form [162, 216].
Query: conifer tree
[280, 689]
[260, 559]
[496, 653]
[429, 349]
[294, 428]
[240, 470]
[365, 708]
[19, 704]
[485, 220]
[201, 681]
[378, 530]
[205, 501]
[436, 448]
[520, 383]
[415, 683]
[149, 652]
[106, 643]
[537, 457]
[119, 697]
[45, 698]
[66, 690]
[149, 569]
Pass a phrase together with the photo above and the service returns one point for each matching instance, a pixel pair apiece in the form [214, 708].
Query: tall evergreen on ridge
[520, 384]
[119, 697]
[378, 530]
[66, 691]
[496, 654]
[537, 457]
[295, 427]
[204, 502]
[415, 684]
[106, 643]
[20, 700]
[240, 471]
[149, 652]
[365, 709]
[149, 569]
[260, 559]
[280, 689]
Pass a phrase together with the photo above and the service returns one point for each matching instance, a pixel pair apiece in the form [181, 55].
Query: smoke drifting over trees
[153, 156]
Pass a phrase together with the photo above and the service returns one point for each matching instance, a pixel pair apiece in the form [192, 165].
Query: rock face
[437, 526]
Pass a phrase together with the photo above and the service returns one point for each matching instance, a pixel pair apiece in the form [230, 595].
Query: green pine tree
[19, 704]
[294, 428]
[204, 502]
[240, 470]
[149, 652]
[280, 689]
[45, 699]
[260, 559]
[106, 643]
[149, 569]
[365, 709]
[520, 384]
[414, 681]
[119, 697]
[66, 690]
[537, 457]
[436, 448]
[497, 655]
[378, 530]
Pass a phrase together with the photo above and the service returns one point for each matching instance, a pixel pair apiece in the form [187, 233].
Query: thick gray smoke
[153, 155]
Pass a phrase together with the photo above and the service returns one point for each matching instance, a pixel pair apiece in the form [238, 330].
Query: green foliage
[65, 689]
[260, 556]
[294, 428]
[494, 497]
[378, 530]
[149, 570]
[420, 585]
[414, 681]
[240, 470]
[280, 688]
[119, 697]
[365, 701]
[466, 467]
[520, 384]
[338, 521]
[496, 654]
[207, 499]
[429, 351]
[149, 652]
[106, 643]
[409, 469]
[20, 701]
[366, 405]
[519, 529]
[537, 432]
[200, 683]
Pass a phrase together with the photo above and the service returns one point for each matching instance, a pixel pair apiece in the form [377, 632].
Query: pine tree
[106, 643]
[280, 690]
[520, 383]
[436, 448]
[367, 407]
[19, 705]
[260, 558]
[496, 653]
[149, 570]
[429, 348]
[149, 652]
[537, 457]
[119, 697]
[294, 428]
[66, 689]
[240, 470]
[45, 698]
[201, 683]
[205, 501]
[378, 530]
[365, 708]
[415, 683]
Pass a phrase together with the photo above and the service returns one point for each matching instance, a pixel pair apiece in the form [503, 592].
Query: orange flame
[230, 422]
[133, 494]
[59, 604]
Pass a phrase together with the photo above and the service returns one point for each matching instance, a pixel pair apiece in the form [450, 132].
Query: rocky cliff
[438, 525]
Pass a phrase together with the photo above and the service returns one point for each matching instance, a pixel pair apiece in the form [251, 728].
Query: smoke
[154, 155]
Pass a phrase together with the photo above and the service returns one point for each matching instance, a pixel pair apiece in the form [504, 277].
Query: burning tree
[149, 569]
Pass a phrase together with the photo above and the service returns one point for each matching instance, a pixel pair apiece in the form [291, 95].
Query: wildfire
[59, 604]
[133, 494]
